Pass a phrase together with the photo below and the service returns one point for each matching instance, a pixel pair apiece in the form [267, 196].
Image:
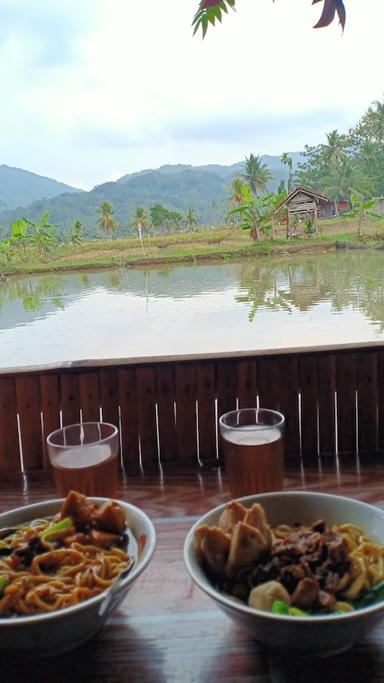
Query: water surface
[263, 303]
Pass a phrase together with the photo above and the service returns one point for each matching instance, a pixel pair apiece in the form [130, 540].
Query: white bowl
[56, 632]
[313, 635]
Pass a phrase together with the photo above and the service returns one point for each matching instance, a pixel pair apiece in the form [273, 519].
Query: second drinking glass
[253, 447]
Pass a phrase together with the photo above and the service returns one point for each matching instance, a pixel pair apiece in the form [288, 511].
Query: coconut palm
[140, 222]
[107, 223]
[256, 174]
[344, 181]
[334, 151]
[190, 219]
[286, 160]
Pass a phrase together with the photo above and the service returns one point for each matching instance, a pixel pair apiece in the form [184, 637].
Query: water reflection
[334, 297]
[344, 280]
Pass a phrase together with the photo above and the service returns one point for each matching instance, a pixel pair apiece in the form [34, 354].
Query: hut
[304, 205]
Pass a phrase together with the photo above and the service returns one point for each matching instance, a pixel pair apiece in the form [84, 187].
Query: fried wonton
[247, 545]
[256, 517]
[213, 545]
[234, 512]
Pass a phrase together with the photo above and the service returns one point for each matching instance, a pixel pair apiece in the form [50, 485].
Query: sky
[94, 89]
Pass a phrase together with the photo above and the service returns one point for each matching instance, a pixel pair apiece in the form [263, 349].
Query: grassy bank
[214, 244]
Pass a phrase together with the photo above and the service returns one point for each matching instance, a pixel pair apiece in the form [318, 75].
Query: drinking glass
[84, 458]
[253, 444]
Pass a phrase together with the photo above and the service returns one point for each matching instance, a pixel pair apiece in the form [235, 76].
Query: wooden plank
[127, 393]
[287, 391]
[367, 393]
[206, 413]
[9, 433]
[69, 398]
[89, 396]
[226, 391]
[50, 408]
[346, 382]
[28, 408]
[308, 383]
[165, 391]
[185, 390]
[226, 386]
[268, 383]
[246, 383]
[326, 372]
[380, 398]
[109, 395]
[146, 404]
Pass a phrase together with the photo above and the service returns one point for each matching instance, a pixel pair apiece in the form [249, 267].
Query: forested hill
[20, 188]
[178, 188]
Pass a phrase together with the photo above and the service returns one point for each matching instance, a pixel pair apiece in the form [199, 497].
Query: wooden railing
[167, 411]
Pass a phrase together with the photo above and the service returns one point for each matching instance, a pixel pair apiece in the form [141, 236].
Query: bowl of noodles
[65, 566]
[303, 572]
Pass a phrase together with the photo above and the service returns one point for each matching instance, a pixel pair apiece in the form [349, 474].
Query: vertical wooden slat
[108, 388]
[226, 386]
[287, 392]
[226, 390]
[367, 392]
[127, 392]
[9, 435]
[206, 413]
[185, 388]
[89, 396]
[69, 398]
[165, 391]
[50, 407]
[346, 402]
[146, 399]
[380, 399]
[268, 383]
[246, 383]
[326, 372]
[28, 408]
[308, 382]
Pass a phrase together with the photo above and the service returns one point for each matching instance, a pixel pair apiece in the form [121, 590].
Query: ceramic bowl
[313, 635]
[56, 632]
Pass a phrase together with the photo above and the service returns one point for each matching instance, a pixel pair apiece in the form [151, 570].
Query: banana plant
[43, 233]
[361, 209]
[255, 213]
[19, 237]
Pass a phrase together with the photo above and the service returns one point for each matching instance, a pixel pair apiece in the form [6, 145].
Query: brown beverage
[254, 460]
[91, 469]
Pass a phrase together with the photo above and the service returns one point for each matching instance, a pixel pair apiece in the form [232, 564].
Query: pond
[253, 304]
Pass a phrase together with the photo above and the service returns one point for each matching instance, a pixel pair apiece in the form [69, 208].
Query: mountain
[177, 187]
[20, 188]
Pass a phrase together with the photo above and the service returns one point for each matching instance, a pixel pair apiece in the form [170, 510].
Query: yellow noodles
[57, 577]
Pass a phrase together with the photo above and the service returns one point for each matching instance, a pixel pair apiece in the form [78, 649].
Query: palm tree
[140, 222]
[76, 233]
[344, 181]
[107, 223]
[334, 151]
[286, 160]
[256, 174]
[190, 219]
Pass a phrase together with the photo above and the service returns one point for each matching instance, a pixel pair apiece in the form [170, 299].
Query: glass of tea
[253, 445]
[84, 457]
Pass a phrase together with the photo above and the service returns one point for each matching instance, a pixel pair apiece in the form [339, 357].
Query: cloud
[238, 127]
[46, 33]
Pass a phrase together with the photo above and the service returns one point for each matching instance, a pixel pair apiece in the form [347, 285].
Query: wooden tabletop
[167, 630]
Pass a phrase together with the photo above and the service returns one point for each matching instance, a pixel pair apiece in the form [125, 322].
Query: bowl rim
[137, 569]
[238, 606]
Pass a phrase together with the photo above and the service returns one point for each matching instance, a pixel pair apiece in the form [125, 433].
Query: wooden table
[167, 629]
